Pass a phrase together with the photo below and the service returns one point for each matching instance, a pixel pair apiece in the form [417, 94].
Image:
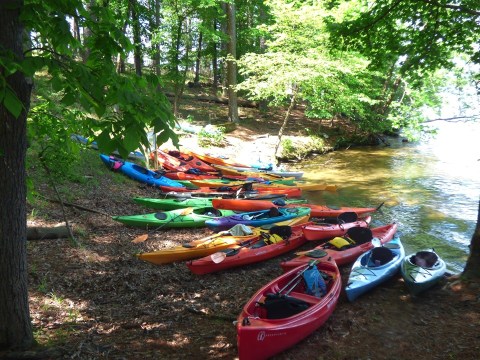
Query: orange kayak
[316, 210]
[210, 159]
[179, 161]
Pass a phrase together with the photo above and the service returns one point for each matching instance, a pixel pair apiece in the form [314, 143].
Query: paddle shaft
[312, 263]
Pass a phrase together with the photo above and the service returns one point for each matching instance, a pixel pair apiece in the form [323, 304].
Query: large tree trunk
[232, 64]
[15, 324]
[472, 269]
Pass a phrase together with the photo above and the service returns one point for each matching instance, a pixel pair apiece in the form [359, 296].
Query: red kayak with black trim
[324, 230]
[321, 211]
[263, 248]
[362, 238]
[284, 312]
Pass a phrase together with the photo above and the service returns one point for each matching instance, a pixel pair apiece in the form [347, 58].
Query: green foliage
[301, 147]
[211, 138]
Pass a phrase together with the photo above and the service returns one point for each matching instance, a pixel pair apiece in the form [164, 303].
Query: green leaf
[12, 103]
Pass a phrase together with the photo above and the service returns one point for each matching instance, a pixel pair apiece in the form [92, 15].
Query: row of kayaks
[222, 179]
[263, 225]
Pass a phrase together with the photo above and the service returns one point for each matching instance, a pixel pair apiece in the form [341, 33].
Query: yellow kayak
[226, 170]
[211, 244]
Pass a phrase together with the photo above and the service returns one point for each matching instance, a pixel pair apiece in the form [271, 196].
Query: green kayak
[181, 203]
[179, 218]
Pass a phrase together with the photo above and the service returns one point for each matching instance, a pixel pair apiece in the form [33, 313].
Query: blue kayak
[374, 267]
[257, 218]
[137, 172]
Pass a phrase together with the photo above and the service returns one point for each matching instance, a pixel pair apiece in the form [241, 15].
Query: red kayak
[323, 231]
[363, 242]
[284, 312]
[259, 249]
[290, 192]
[316, 210]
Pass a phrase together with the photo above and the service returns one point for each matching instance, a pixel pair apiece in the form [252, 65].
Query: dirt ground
[94, 299]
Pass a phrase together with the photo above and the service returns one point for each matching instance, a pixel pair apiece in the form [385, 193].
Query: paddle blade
[186, 211]
[140, 238]
[218, 257]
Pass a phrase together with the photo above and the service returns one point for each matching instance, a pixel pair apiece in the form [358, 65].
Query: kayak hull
[342, 257]
[256, 218]
[315, 210]
[243, 255]
[324, 231]
[173, 218]
[259, 337]
[366, 275]
[138, 173]
[421, 278]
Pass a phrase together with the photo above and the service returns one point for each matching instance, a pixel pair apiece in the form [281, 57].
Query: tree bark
[232, 64]
[196, 81]
[472, 268]
[15, 325]
[285, 122]
[216, 77]
[137, 41]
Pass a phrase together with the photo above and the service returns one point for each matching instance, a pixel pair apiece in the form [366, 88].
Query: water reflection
[431, 189]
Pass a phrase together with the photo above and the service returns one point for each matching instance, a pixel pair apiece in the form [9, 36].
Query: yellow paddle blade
[140, 238]
[186, 211]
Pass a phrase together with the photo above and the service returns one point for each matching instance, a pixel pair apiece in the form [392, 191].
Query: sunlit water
[431, 189]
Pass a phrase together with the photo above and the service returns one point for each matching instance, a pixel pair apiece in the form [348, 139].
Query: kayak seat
[347, 217]
[284, 231]
[360, 235]
[280, 306]
[425, 259]
[316, 253]
[161, 216]
[273, 212]
[381, 255]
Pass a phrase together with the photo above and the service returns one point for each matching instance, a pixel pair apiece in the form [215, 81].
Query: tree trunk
[15, 325]
[472, 269]
[196, 81]
[156, 46]
[137, 41]
[87, 33]
[215, 60]
[285, 122]
[262, 104]
[223, 53]
[232, 64]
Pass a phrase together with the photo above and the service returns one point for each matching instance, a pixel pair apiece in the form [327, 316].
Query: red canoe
[363, 243]
[265, 329]
[324, 231]
[254, 251]
[316, 210]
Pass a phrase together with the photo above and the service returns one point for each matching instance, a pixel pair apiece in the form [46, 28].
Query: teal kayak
[422, 270]
[180, 218]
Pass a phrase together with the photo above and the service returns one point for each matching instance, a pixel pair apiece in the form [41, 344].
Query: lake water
[431, 188]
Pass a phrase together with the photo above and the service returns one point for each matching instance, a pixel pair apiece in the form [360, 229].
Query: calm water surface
[430, 189]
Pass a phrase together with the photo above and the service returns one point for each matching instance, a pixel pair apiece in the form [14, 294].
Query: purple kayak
[257, 218]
